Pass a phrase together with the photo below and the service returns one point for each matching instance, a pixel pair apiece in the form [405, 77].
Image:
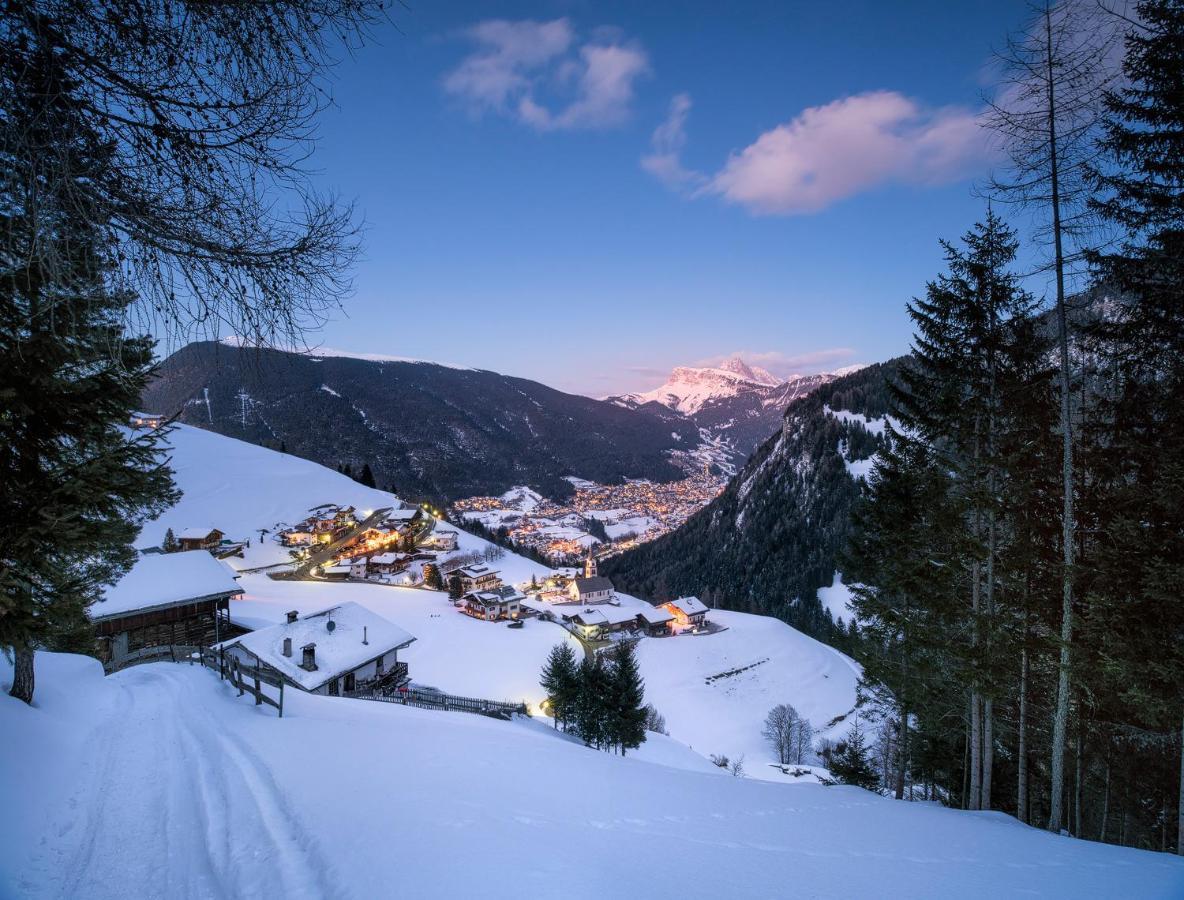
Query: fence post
[281, 699]
[258, 689]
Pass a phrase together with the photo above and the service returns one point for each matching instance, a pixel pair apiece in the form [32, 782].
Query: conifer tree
[591, 704]
[366, 477]
[627, 713]
[850, 763]
[431, 577]
[1138, 614]
[76, 485]
[456, 588]
[560, 679]
[169, 544]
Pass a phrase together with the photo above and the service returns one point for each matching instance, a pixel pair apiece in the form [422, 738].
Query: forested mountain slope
[429, 431]
[771, 539]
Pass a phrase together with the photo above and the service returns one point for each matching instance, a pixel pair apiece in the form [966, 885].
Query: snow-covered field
[715, 690]
[159, 782]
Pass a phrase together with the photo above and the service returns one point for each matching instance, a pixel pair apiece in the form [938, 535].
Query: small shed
[200, 538]
[165, 598]
[655, 621]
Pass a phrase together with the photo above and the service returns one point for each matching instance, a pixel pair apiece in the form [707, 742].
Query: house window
[380, 665]
[333, 691]
[349, 682]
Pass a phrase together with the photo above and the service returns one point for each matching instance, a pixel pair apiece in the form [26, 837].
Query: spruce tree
[170, 544]
[560, 679]
[591, 702]
[456, 588]
[431, 577]
[366, 477]
[77, 485]
[627, 713]
[1138, 615]
[850, 763]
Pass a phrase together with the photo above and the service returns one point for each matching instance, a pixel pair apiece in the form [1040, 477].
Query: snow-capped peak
[689, 388]
[755, 374]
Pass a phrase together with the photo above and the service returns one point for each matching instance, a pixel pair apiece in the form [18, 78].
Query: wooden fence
[436, 700]
[248, 679]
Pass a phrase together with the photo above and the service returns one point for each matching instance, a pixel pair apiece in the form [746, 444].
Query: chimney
[364, 640]
[287, 646]
[310, 657]
[292, 614]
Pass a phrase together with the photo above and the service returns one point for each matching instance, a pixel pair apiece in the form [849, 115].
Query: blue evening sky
[512, 226]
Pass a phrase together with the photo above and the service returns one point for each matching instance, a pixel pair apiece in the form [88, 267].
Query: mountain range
[771, 541]
[735, 406]
[432, 432]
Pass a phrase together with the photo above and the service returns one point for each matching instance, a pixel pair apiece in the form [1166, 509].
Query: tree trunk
[1077, 787]
[988, 752]
[1105, 798]
[22, 674]
[976, 745]
[1180, 804]
[1021, 804]
[1061, 714]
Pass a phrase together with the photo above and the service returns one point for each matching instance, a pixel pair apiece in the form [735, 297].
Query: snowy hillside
[160, 782]
[241, 488]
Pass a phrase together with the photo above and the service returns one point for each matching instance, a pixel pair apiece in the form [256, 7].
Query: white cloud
[667, 142]
[828, 153]
[540, 74]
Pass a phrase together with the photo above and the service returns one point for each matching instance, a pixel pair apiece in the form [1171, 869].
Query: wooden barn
[165, 598]
[200, 538]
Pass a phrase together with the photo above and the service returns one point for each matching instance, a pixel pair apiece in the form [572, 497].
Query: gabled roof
[384, 559]
[656, 615]
[160, 580]
[689, 606]
[197, 534]
[595, 583]
[590, 617]
[337, 652]
[474, 571]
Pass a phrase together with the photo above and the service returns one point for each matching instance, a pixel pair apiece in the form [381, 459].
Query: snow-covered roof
[337, 652]
[384, 559]
[595, 583]
[166, 579]
[590, 617]
[336, 570]
[197, 534]
[493, 598]
[402, 515]
[476, 571]
[656, 615]
[688, 606]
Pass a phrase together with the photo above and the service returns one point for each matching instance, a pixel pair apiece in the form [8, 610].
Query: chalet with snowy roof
[334, 651]
[444, 540]
[200, 539]
[500, 603]
[146, 420]
[165, 598]
[596, 589]
[688, 612]
[338, 572]
[477, 578]
[655, 621]
[589, 624]
[386, 563]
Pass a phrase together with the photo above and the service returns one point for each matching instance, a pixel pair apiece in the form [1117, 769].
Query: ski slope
[160, 782]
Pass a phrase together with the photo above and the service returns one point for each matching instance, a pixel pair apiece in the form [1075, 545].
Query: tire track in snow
[173, 805]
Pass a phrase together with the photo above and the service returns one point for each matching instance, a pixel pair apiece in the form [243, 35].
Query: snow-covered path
[187, 807]
[173, 786]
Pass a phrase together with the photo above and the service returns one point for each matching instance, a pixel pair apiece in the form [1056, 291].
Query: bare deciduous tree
[1047, 116]
[208, 110]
